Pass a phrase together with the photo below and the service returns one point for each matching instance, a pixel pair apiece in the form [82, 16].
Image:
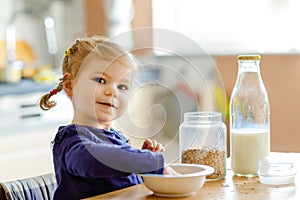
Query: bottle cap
[249, 57]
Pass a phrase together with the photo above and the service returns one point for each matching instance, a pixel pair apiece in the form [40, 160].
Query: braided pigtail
[45, 102]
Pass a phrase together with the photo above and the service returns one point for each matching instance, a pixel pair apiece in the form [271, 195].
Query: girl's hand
[170, 171]
[153, 146]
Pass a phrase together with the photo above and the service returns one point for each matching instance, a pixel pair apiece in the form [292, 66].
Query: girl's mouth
[107, 104]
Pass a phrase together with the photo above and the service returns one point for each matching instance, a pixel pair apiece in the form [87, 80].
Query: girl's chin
[106, 119]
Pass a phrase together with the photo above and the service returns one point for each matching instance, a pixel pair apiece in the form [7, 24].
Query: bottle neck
[249, 72]
[249, 66]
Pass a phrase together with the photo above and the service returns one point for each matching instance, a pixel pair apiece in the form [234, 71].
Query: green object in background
[221, 101]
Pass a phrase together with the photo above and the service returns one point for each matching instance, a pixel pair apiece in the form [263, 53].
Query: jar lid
[277, 171]
[249, 57]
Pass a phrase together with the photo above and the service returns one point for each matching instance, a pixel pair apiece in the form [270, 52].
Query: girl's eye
[122, 87]
[100, 80]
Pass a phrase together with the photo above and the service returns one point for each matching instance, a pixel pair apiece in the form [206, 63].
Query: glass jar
[202, 140]
[249, 118]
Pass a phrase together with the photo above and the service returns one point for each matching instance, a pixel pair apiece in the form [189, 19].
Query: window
[232, 26]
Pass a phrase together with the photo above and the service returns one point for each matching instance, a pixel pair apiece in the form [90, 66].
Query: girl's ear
[67, 84]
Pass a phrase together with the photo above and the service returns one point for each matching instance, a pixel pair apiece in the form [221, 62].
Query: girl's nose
[110, 91]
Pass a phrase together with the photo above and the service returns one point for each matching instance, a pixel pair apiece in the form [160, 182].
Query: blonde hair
[75, 55]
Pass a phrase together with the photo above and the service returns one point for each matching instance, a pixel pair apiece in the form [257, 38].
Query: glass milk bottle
[249, 118]
[202, 140]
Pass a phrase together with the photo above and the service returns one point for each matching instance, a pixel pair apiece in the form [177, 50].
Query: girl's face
[100, 92]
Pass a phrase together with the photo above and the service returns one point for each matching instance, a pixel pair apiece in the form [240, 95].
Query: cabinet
[26, 133]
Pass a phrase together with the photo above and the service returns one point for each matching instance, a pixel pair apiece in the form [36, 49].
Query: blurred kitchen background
[208, 36]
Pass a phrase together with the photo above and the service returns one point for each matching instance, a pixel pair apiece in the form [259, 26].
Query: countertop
[24, 87]
[229, 188]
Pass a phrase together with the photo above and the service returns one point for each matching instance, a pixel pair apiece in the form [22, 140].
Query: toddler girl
[90, 157]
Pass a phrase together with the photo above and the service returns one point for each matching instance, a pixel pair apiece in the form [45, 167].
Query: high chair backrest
[34, 188]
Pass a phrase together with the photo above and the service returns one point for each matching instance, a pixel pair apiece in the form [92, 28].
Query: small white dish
[191, 178]
[277, 171]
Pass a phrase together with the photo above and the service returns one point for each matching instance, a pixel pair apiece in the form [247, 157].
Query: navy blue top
[90, 161]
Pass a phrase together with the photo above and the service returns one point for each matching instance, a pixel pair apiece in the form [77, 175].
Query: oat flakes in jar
[202, 140]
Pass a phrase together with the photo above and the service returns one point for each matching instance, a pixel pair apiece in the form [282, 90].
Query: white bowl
[191, 178]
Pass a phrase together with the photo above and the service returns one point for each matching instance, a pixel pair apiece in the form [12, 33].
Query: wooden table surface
[230, 188]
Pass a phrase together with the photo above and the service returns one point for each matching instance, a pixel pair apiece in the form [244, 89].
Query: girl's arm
[88, 159]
